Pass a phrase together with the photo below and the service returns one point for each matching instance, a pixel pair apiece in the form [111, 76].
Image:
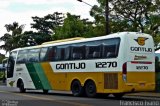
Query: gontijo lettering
[141, 49]
[71, 66]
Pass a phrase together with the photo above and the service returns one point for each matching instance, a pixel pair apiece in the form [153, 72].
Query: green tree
[130, 15]
[153, 28]
[31, 38]
[137, 13]
[11, 39]
[26, 39]
[75, 27]
[46, 26]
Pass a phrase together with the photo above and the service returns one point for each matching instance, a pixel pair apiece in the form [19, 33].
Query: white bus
[114, 64]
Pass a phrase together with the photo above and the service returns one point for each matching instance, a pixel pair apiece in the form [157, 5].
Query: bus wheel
[45, 91]
[118, 95]
[76, 88]
[21, 87]
[90, 89]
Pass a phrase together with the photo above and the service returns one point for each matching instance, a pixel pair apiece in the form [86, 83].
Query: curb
[156, 95]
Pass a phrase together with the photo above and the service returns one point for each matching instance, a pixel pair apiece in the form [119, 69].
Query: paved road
[11, 97]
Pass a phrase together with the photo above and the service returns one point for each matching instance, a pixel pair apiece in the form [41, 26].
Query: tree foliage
[11, 39]
[46, 26]
[130, 15]
[74, 26]
[48, 23]
[138, 13]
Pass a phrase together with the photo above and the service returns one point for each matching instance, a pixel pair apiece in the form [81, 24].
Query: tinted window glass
[63, 53]
[22, 56]
[33, 55]
[43, 54]
[105, 48]
[78, 52]
[51, 53]
[111, 48]
[93, 51]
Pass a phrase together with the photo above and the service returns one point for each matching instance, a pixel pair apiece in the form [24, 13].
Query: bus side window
[22, 56]
[78, 52]
[93, 52]
[96, 54]
[67, 53]
[48, 54]
[43, 54]
[89, 53]
[109, 51]
[51, 55]
[60, 53]
[77, 56]
[33, 55]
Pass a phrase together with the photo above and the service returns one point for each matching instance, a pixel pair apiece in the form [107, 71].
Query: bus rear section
[138, 70]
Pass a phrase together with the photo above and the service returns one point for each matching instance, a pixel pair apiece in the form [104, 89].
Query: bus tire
[76, 88]
[118, 95]
[45, 91]
[21, 87]
[90, 89]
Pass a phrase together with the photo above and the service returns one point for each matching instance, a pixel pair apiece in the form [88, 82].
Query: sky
[21, 11]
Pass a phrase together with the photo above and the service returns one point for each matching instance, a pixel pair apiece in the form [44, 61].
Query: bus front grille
[110, 81]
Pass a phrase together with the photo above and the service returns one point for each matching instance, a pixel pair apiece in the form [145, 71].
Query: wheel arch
[75, 79]
[89, 79]
[90, 88]
[83, 83]
[19, 81]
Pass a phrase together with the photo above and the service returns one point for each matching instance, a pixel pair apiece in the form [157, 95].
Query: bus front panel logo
[141, 40]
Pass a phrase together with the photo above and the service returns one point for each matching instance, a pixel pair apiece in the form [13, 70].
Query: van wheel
[76, 88]
[90, 89]
[118, 95]
[45, 91]
[21, 87]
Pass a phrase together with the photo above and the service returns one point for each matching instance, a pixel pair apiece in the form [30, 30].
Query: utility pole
[107, 18]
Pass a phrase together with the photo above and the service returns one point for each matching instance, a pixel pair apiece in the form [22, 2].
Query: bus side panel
[62, 80]
[56, 80]
[21, 72]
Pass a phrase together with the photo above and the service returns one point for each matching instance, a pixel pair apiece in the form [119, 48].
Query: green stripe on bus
[34, 76]
[42, 76]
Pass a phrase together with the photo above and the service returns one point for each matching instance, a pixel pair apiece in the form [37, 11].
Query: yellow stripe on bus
[56, 80]
[48, 72]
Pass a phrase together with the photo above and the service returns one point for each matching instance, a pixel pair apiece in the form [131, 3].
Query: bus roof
[114, 35]
[80, 39]
[63, 40]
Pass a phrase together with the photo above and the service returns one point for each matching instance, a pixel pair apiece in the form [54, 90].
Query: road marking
[49, 99]
[142, 97]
